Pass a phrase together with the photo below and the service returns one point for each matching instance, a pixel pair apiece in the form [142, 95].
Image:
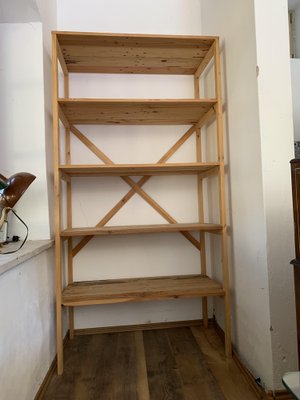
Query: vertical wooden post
[222, 203]
[201, 205]
[69, 210]
[57, 205]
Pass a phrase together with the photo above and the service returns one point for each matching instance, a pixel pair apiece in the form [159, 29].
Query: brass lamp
[11, 189]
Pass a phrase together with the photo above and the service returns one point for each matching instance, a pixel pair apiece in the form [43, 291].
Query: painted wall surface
[258, 125]
[27, 312]
[295, 72]
[22, 124]
[48, 17]
[132, 16]
[246, 219]
[27, 334]
[276, 127]
[148, 255]
[19, 11]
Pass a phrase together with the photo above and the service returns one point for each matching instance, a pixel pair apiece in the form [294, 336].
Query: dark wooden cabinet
[295, 171]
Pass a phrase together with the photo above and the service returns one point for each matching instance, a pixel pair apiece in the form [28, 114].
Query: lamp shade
[13, 188]
[3, 182]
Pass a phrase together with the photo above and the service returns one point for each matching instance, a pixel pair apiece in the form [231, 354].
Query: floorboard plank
[226, 372]
[197, 378]
[98, 367]
[163, 376]
[142, 379]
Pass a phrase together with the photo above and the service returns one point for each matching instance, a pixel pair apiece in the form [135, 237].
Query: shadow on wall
[294, 25]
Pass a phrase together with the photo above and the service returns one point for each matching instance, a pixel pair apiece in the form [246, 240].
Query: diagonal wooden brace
[136, 187]
[204, 120]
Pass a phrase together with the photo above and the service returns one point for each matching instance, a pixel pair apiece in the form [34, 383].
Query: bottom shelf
[140, 289]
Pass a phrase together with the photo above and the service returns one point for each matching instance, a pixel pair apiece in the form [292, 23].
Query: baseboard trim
[250, 379]
[51, 371]
[141, 327]
[279, 395]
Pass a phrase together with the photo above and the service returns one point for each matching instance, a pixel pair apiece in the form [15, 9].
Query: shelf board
[134, 111]
[140, 289]
[139, 169]
[133, 229]
[138, 54]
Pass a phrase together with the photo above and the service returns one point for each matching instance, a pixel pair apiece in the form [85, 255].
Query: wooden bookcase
[136, 54]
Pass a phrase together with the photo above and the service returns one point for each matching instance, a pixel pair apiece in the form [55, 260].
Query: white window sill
[30, 249]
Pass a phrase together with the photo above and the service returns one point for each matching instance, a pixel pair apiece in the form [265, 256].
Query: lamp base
[3, 233]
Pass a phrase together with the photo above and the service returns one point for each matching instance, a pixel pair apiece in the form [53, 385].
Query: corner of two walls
[276, 127]
[259, 145]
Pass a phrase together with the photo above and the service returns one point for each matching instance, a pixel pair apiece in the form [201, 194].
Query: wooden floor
[168, 364]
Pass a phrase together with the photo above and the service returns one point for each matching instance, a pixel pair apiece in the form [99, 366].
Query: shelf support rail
[214, 53]
[57, 202]
[222, 201]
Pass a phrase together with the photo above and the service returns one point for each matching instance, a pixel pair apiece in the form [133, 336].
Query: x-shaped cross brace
[136, 187]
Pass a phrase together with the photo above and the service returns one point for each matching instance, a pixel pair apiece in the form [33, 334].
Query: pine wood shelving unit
[136, 54]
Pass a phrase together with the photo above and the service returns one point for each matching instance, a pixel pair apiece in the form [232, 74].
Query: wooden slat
[69, 208]
[163, 375]
[142, 379]
[98, 367]
[62, 60]
[134, 39]
[204, 63]
[57, 203]
[226, 372]
[133, 229]
[63, 118]
[222, 201]
[135, 111]
[201, 205]
[123, 53]
[194, 370]
[138, 169]
[140, 289]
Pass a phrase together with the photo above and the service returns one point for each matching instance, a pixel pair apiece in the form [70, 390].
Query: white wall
[259, 135]
[22, 124]
[276, 127]
[247, 229]
[295, 71]
[131, 16]
[27, 310]
[48, 16]
[19, 11]
[147, 255]
[27, 333]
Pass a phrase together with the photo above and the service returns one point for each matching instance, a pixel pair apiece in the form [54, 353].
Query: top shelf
[133, 54]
